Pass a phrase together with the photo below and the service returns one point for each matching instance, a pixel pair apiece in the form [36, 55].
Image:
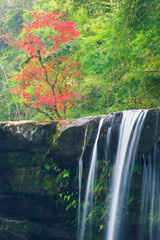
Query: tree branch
[45, 113]
[56, 78]
[47, 80]
[46, 75]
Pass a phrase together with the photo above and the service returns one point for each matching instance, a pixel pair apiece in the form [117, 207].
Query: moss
[48, 185]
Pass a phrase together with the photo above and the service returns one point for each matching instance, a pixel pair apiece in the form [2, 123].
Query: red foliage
[5, 38]
[49, 78]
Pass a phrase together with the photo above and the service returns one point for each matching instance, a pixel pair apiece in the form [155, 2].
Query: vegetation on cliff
[117, 52]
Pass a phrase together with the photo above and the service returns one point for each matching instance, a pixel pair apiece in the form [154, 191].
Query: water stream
[88, 202]
[121, 184]
[132, 123]
[150, 198]
[80, 180]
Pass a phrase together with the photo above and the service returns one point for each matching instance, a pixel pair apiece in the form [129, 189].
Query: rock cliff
[38, 171]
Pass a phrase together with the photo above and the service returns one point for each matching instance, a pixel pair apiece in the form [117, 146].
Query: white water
[150, 200]
[107, 146]
[148, 224]
[88, 203]
[80, 180]
[129, 135]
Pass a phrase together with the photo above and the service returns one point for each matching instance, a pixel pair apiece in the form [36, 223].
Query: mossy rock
[28, 180]
[26, 136]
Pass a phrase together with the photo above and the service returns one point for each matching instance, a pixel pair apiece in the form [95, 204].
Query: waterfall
[130, 130]
[107, 145]
[80, 180]
[133, 184]
[150, 199]
[88, 203]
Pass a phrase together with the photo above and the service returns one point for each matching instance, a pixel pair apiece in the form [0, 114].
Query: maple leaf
[48, 79]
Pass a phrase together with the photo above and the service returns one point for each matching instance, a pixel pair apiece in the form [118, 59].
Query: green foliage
[10, 26]
[119, 50]
[67, 197]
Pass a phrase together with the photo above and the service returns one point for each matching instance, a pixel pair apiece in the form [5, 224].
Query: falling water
[80, 180]
[130, 130]
[90, 182]
[150, 200]
[148, 206]
[107, 145]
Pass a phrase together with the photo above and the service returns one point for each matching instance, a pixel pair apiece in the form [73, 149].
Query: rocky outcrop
[151, 131]
[23, 229]
[38, 171]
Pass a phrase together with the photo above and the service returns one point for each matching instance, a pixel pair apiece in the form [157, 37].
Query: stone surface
[151, 131]
[11, 229]
[26, 136]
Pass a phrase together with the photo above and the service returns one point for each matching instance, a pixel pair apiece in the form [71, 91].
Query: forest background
[117, 51]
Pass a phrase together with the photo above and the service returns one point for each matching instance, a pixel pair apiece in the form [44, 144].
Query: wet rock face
[12, 229]
[26, 136]
[32, 157]
[68, 144]
[29, 204]
[151, 132]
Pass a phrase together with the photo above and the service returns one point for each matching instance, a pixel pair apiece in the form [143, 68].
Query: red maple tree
[48, 79]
